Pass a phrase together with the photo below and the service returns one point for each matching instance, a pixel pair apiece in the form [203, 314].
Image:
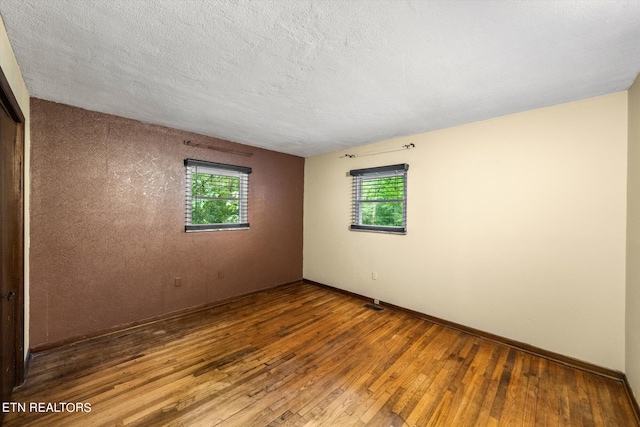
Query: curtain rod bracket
[404, 147]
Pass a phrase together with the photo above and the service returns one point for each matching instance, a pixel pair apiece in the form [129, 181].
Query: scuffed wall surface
[107, 227]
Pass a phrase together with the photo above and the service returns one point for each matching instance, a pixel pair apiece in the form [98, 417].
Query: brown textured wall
[107, 223]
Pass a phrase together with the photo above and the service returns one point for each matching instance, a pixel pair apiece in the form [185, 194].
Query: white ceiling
[309, 77]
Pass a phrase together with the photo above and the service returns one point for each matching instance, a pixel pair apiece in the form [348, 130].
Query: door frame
[10, 104]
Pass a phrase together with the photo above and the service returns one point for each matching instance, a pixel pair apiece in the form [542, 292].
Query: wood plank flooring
[305, 356]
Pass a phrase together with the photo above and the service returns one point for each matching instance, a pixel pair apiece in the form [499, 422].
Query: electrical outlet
[177, 282]
[374, 275]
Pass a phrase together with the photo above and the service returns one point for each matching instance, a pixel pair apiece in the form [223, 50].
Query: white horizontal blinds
[187, 191]
[216, 196]
[355, 200]
[380, 198]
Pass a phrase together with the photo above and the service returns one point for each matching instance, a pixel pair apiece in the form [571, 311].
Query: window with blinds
[217, 196]
[380, 199]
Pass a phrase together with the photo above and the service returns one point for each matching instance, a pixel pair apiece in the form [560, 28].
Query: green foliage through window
[215, 199]
[217, 196]
[380, 199]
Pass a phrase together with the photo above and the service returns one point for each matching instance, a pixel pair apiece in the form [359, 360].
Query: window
[380, 199]
[217, 196]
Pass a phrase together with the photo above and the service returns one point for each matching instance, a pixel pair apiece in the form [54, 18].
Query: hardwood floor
[301, 355]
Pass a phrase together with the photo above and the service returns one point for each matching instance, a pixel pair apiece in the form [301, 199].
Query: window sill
[378, 229]
[215, 227]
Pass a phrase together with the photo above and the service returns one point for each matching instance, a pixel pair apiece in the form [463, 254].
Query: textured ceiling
[308, 77]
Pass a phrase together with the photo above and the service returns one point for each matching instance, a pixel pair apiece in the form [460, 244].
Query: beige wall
[11, 71]
[516, 226]
[633, 242]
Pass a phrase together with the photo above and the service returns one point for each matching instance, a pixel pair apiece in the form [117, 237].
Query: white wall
[516, 226]
[11, 71]
[633, 243]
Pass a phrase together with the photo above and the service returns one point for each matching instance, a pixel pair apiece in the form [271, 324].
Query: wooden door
[12, 242]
